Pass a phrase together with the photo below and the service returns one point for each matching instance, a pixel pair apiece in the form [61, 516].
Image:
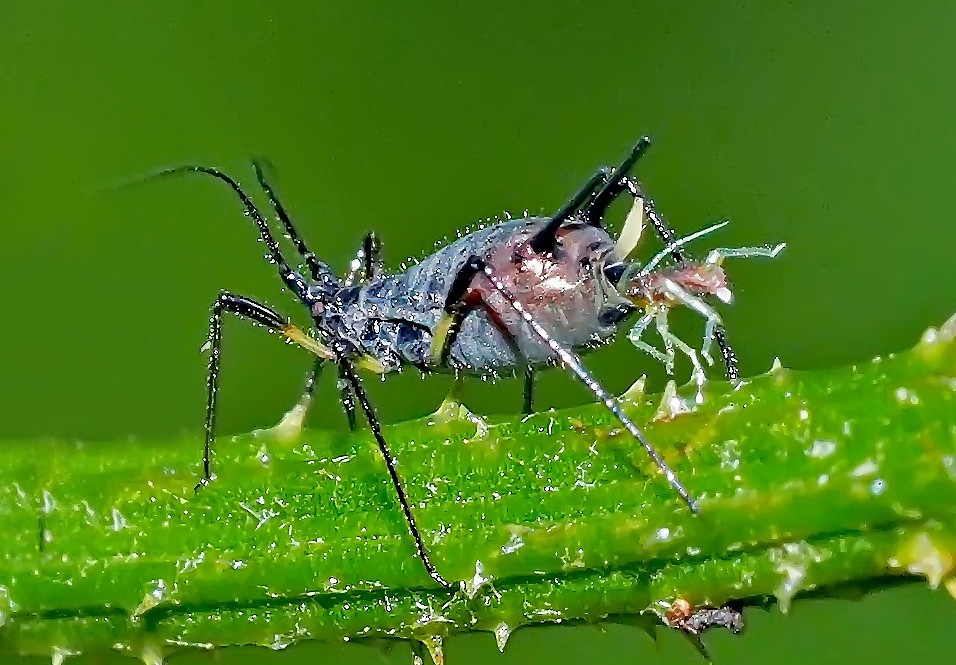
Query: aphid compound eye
[505, 298]
[615, 272]
[613, 315]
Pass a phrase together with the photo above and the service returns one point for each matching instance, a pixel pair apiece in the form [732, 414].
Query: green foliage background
[827, 125]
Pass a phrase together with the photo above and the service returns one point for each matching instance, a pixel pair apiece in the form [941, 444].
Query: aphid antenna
[295, 281]
[676, 244]
[321, 272]
[572, 362]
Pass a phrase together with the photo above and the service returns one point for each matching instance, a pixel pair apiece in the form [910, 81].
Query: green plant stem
[805, 480]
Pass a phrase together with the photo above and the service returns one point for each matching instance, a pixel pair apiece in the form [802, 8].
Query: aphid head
[565, 286]
[589, 252]
[577, 255]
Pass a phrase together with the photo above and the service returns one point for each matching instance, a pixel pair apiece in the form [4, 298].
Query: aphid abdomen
[394, 318]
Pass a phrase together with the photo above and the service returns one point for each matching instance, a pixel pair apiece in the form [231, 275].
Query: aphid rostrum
[506, 298]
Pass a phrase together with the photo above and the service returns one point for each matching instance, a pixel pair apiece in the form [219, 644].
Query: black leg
[347, 398]
[459, 302]
[310, 382]
[528, 390]
[477, 265]
[372, 249]
[245, 308]
[356, 387]
[364, 268]
[345, 394]
[320, 271]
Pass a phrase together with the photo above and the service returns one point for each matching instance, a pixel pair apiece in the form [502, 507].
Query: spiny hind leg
[341, 353]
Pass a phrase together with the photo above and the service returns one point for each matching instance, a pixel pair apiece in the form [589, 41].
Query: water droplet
[906, 396]
[822, 448]
[867, 468]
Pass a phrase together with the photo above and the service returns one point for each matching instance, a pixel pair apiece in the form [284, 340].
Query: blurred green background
[825, 125]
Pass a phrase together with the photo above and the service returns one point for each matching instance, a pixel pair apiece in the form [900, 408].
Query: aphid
[506, 298]
[685, 283]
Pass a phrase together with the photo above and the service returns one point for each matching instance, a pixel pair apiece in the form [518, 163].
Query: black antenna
[292, 279]
[320, 270]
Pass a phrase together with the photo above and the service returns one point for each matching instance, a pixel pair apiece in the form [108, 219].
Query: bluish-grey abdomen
[393, 318]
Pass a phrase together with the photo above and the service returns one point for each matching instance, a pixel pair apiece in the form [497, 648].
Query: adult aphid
[509, 297]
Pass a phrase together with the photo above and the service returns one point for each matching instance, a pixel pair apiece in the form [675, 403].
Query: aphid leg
[248, 309]
[294, 419]
[355, 385]
[459, 302]
[670, 342]
[477, 265]
[347, 399]
[366, 265]
[716, 256]
[362, 269]
[291, 424]
[339, 353]
[636, 333]
[712, 319]
[528, 392]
